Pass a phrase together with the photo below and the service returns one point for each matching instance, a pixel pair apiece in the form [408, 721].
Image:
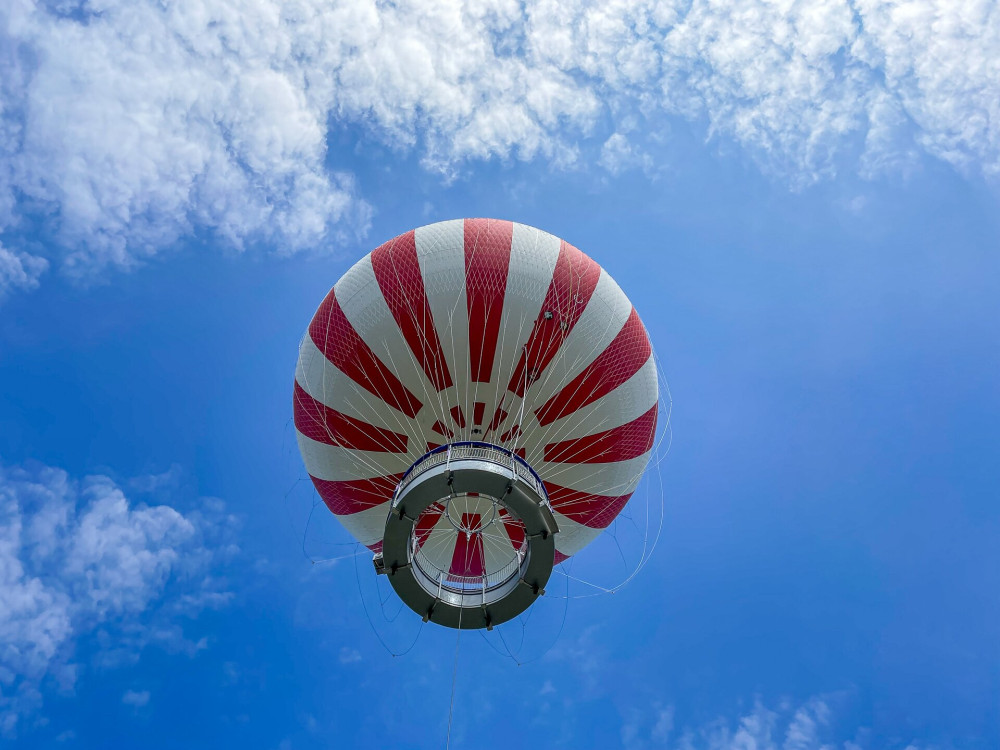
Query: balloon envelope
[486, 331]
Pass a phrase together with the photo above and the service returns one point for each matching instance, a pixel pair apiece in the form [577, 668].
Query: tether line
[454, 678]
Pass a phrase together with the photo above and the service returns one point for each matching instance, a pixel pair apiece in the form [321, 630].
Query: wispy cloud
[650, 728]
[133, 124]
[135, 698]
[128, 125]
[586, 655]
[809, 726]
[19, 271]
[349, 655]
[78, 560]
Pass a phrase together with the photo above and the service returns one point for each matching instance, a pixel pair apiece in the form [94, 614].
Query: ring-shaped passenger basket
[492, 475]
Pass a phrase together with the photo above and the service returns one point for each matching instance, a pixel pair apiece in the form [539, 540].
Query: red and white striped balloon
[479, 330]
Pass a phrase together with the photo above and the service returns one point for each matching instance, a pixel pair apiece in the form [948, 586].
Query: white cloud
[663, 725]
[154, 483]
[349, 655]
[642, 729]
[777, 77]
[804, 729]
[941, 60]
[810, 726]
[128, 124]
[136, 699]
[134, 124]
[19, 270]
[619, 154]
[586, 654]
[78, 561]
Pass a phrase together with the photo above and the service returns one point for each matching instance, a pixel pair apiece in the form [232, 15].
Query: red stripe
[319, 422]
[498, 417]
[458, 415]
[513, 432]
[560, 557]
[573, 282]
[630, 440]
[397, 271]
[334, 335]
[478, 412]
[487, 258]
[468, 559]
[442, 429]
[425, 524]
[593, 511]
[628, 352]
[514, 528]
[345, 498]
[376, 548]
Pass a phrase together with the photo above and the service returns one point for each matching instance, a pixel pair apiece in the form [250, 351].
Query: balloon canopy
[475, 400]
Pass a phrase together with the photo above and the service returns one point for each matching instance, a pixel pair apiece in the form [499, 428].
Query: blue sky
[802, 204]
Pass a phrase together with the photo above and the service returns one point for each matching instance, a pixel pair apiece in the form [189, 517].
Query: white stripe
[612, 479]
[573, 536]
[602, 320]
[533, 259]
[366, 310]
[441, 256]
[336, 464]
[627, 402]
[324, 382]
[367, 526]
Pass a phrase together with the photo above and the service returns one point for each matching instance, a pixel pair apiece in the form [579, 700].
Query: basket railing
[486, 581]
[474, 450]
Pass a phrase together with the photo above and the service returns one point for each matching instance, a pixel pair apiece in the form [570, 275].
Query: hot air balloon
[475, 401]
